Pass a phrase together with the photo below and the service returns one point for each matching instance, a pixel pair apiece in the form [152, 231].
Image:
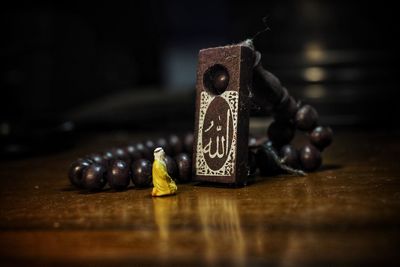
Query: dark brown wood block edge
[222, 114]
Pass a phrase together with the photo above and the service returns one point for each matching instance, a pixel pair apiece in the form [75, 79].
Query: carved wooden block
[224, 76]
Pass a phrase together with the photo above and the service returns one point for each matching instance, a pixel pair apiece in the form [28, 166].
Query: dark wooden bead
[252, 141]
[290, 156]
[176, 145]
[281, 133]
[188, 143]
[321, 137]
[184, 164]
[98, 158]
[220, 80]
[118, 175]
[265, 163]
[150, 145]
[133, 153]
[269, 144]
[274, 93]
[310, 158]
[162, 142]
[144, 151]
[94, 177]
[116, 153]
[76, 170]
[108, 156]
[142, 173]
[306, 118]
[121, 154]
[292, 108]
[283, 101]
[288, 111]
[262, 161]
[252, 162]
[172, 168]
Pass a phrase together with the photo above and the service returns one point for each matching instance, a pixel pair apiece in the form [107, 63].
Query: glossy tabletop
[345, 214]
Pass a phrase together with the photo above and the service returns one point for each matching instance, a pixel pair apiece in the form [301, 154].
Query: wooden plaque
[222, 114]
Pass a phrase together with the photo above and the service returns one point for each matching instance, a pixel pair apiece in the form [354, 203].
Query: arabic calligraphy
[217, 133]
[223, 140]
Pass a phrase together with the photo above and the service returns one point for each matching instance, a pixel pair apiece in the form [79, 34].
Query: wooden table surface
[343, 215]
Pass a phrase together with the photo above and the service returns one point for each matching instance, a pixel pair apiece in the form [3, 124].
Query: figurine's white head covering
[159, 154]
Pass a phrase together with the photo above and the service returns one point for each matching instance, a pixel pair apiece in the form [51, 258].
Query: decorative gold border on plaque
[228, 169]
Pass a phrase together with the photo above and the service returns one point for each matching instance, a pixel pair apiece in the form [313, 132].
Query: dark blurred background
[76, 66]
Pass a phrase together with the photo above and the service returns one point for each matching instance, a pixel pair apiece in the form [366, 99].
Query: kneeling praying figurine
[162, 182]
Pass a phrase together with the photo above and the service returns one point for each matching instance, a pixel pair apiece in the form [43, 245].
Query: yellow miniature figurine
[162, 182]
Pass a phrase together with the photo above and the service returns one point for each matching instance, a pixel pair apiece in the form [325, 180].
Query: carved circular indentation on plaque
[216, 79]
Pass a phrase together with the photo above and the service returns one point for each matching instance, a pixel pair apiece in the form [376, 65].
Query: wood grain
[346, 214]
